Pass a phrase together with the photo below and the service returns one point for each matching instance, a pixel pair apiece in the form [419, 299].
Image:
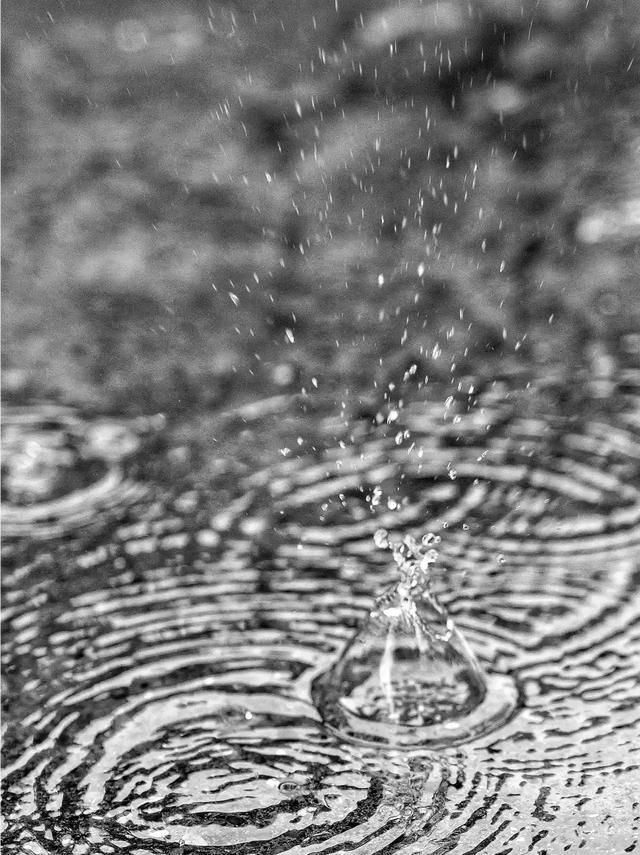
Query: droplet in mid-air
[408, 677]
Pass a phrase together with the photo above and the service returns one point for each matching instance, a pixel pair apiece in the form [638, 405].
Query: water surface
[168, 609]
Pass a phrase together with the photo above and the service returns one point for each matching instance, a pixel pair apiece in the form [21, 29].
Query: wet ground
[275, 277]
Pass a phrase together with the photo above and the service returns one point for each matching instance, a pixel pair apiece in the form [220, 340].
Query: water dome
[408, 677]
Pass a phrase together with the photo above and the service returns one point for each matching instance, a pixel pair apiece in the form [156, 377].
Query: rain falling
[320, 427]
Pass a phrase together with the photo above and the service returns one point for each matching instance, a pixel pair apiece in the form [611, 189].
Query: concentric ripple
[60, 471]
[233, 770]
[540, 518]
[161, 681]
[189, 724]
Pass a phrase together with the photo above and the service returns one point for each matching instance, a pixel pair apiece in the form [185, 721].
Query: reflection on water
[160, 661]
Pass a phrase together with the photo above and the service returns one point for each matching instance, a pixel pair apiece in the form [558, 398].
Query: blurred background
[209, 202]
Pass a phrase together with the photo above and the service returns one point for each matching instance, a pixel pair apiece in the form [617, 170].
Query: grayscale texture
[277, 275]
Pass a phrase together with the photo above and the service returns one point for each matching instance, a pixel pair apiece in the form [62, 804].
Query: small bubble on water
[290, 785]
[376, 496]
[427, 560]
[411, 544]
[381, 538]
[500, 559]
[398, 552]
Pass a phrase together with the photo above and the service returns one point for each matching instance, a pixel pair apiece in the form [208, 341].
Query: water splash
[159, 672]
[63, 472]
[408, 677]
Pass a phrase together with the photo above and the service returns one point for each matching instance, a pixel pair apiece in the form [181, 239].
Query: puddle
[160, 647]
[63, 472]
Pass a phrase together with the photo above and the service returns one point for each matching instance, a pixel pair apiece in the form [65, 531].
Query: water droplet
[381, 538]
[376, 496]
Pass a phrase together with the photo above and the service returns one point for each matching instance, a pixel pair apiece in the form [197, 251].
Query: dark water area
[277, 276]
